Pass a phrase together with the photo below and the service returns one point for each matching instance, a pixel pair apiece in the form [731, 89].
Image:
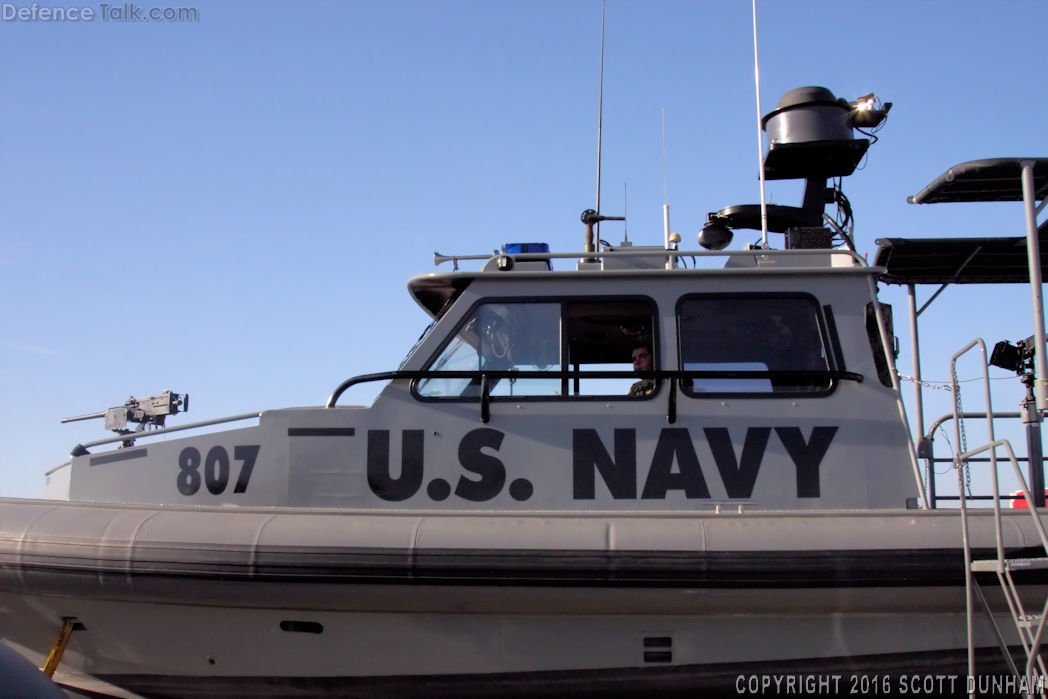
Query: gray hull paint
[369, 604]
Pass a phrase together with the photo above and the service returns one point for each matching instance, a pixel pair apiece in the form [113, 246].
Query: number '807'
[213, 470]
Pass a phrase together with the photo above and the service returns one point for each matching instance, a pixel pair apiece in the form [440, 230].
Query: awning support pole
[918, 387]
[1033, 255]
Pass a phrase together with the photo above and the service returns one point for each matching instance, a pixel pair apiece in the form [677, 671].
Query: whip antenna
[592, 217]
[760, 132]
[665, 184]
[600, 107]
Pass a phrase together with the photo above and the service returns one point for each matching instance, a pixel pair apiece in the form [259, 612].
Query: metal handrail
[1030, 639]
[485, 378]
[949, 416]
[931, 459]
[1004, 574]
[928, 455]
[627, 252]
[1006, 445]
[81, 449]
[969, 581]
[482, 375]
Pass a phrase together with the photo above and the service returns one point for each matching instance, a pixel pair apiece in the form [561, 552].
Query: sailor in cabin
[642, 362]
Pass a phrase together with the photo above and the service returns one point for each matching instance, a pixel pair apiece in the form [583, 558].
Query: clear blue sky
[231, 207]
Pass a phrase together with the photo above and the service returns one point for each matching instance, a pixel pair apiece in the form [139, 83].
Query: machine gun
[143, 412]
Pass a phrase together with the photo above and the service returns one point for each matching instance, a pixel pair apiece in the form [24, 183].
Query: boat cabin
[769, 385]
[769, 389]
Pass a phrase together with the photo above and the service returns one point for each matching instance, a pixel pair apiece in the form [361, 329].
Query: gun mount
[143, 412]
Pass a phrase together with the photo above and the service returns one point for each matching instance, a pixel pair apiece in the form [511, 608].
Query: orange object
[1019, 501]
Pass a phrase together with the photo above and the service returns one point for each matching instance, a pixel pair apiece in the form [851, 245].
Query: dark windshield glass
[756, 334]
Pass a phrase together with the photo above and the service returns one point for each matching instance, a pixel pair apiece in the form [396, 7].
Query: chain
[937, 386]
[963, 446]
[940, 386]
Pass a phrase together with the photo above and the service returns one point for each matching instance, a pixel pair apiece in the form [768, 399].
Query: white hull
[150, 647]
[274, 599]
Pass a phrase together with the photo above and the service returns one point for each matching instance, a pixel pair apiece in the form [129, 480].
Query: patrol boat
[506, 516]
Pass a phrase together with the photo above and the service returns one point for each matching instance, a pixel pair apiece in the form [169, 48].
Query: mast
[760, 132]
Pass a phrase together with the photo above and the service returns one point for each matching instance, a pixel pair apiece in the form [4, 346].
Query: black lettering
[216, 470]
[807, 456]
[739, 476]
[380, 478]
[674, 445]
[188, 480]
[589, 456]
[490, 469]
[246, 453]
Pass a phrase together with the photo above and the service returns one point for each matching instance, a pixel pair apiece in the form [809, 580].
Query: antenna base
[591, 218]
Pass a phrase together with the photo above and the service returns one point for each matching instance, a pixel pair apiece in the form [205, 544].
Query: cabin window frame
[826, 332]
[873, 333]
[565, 394]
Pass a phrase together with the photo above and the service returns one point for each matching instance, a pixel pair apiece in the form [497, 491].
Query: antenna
[600, 108]
[625, 211]
[592, 217]
[760, 132]
[665, 184]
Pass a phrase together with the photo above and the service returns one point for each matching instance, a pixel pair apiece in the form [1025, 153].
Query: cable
[873, 134]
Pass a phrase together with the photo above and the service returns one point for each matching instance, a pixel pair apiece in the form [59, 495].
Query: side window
[578, 336]
[602, 337]
[521, 337]
[776, 334]
[501, 337]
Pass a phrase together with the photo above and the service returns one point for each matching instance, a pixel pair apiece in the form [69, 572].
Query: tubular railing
[485, 378]
[1029, 628]
[855, 259]
[927, 453]
[81, 449]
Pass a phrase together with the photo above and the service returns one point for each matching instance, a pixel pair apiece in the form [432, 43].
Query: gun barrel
[89, 416]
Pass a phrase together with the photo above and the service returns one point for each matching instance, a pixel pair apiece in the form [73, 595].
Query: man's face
[641, 359]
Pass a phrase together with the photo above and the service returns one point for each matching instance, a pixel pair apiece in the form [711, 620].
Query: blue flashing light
[516, 248]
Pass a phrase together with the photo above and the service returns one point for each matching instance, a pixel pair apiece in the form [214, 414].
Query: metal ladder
[1029, 627]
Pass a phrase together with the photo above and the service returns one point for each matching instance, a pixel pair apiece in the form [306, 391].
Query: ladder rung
[1029, 621]
[995, 566]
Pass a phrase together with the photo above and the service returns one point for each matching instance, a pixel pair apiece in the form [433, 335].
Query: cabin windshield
[579, 335]
[744, 333]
